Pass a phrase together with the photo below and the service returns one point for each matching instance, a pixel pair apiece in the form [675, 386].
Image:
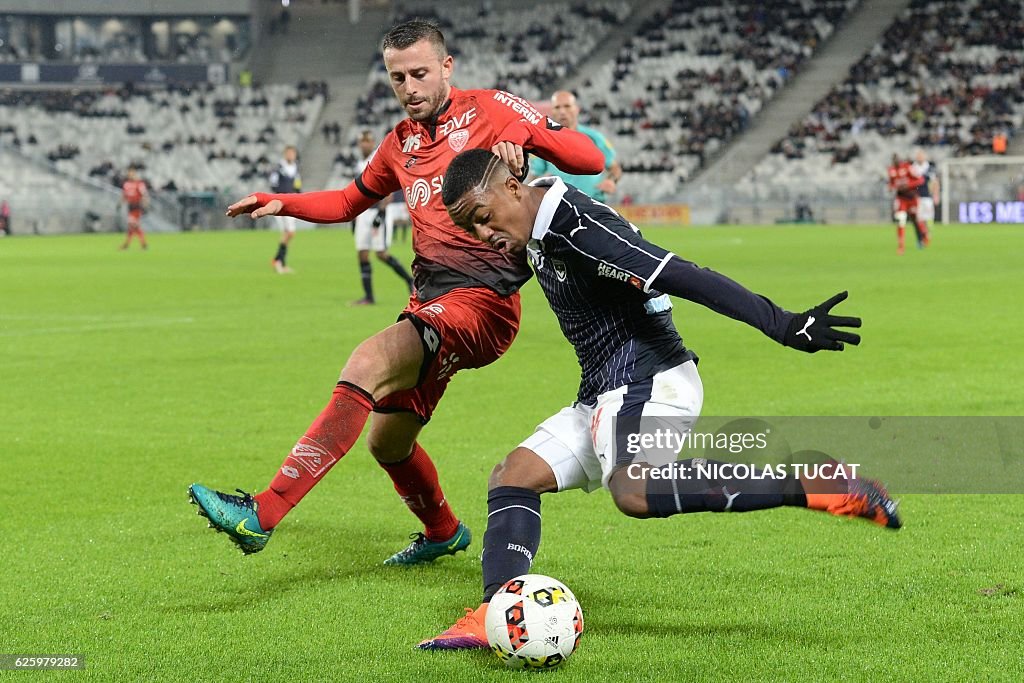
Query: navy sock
[675, 495]
[399, 269]
[366, 273]
[282, 252]
[512, 536]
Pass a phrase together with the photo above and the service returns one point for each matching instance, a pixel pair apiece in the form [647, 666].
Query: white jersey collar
[556, 188]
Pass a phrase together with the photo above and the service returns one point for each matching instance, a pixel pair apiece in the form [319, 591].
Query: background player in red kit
[905, 183]
[136, 197]
[464, 312]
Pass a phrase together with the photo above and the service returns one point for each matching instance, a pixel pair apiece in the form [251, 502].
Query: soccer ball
[534, 622]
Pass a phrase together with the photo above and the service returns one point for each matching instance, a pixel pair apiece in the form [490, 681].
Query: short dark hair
[466, 172]
[410, 32]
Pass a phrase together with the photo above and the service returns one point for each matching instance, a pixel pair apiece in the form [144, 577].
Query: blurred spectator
[5, 217]
[999, 143]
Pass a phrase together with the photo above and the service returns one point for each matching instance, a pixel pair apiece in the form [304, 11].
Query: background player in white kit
[373, 231]
[285, 179]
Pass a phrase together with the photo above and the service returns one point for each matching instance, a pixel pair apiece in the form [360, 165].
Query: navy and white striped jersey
[924, 169]
[285, 178]
[596, 272]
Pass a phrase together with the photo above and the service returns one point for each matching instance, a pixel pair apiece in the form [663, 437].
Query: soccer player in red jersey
[904, 182]
[136, 197]
[464, 312]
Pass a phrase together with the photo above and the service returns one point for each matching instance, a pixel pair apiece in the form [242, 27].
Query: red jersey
[413, 158]
[903, 180]
[132, 192]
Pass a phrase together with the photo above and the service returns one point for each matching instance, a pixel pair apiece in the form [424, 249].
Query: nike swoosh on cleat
[245, 532]
[456, 541]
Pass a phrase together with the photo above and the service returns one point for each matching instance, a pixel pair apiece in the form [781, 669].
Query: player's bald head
[470, 175]
[563, 98]
[564, 108]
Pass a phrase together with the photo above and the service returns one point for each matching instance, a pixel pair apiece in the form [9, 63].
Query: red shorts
[908, 204]
[463, 329]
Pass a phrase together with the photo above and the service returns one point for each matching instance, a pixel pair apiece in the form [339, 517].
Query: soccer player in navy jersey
[609, 288]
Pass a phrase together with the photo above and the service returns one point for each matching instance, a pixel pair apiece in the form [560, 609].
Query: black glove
[814, 329]
[378, 220]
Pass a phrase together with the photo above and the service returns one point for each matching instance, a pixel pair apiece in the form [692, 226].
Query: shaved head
[488, 202]
[470, 175]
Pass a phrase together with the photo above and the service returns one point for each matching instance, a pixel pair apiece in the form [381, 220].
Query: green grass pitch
[124, 377]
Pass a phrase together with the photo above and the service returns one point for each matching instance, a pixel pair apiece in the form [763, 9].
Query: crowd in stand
[947, 75]
[693, 77]
[164, 131]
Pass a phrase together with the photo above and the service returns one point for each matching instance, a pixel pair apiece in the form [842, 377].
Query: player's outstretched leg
[326, 441]
[824, 488]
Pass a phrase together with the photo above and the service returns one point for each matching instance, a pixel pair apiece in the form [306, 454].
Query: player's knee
[632, 505]
[387, 450]
[629, 495]
[387, 362]
[522, 468]
[383, 256]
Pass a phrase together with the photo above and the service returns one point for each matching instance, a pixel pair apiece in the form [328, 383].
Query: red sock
[922, 227]
[900, 232]
[416, 481]
[329, 437]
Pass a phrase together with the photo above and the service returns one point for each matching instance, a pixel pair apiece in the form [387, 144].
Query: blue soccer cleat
[232, 515]
[423, 550]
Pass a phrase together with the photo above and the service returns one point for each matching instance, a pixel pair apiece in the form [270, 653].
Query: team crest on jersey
[559, 268]
[458, 140]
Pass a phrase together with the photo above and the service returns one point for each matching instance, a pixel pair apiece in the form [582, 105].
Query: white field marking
[90, 323]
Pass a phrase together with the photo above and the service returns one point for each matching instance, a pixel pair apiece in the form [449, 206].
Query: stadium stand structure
[946, 76]
[120, 39]
[202, 138]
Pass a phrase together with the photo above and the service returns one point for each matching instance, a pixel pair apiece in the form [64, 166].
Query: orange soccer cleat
[852, 497]
[468, 633]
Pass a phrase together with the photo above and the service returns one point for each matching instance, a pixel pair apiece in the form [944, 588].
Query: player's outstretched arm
[569, 150]
[329, 206]
[813, 330]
